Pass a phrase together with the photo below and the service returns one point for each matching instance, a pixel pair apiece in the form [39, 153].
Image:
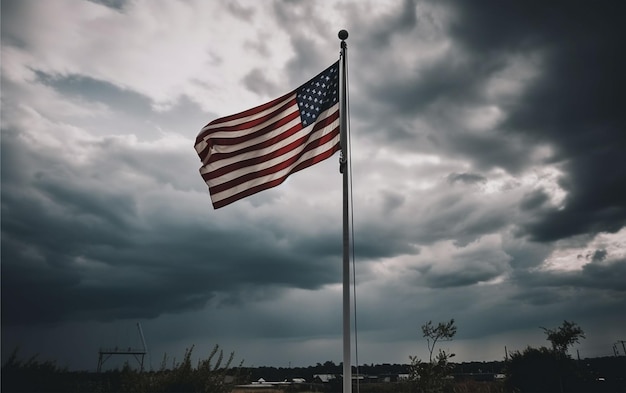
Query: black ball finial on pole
[343, 35]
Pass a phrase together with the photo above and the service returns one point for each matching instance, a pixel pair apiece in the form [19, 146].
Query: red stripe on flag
[270, 142]
[286, 118]
[276, 182]
[240, 115]
[268, 128]
[268, 170]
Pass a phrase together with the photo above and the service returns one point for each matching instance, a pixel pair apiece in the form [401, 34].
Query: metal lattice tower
[139, 354]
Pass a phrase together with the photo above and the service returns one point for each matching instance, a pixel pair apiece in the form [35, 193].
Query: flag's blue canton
[319, 94]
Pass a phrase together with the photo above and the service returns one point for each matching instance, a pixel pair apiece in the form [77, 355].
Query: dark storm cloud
[392, 201]
[11, 13]
[310, 56]
[443, 80]
[115, 4]
[605, 274]
[241, 12]
[400, 22]
[173, 270]
[596, 200]
[257, 82]
[435, 90]
[73, 249]
[59, 212]
[541, 296]
[463, 219]
[464, 268]
[468, 178]
[492, 151]
[574, 104]
[373, 242]
[468, 277]
[133, 114]
[90, 89]
[78, 272]
[599, 255]
[534, 200]
[455, 215]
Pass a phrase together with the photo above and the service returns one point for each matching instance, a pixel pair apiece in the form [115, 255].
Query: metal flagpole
[343, 168]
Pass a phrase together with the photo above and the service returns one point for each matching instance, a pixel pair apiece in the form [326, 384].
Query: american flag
[259, 148]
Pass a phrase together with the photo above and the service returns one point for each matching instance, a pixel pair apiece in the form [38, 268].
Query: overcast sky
[489, 179]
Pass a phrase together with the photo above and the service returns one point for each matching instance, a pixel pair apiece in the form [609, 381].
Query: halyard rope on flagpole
[351, 213]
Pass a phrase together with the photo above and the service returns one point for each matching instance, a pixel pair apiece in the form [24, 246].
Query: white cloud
[572, 257]
[157, 48]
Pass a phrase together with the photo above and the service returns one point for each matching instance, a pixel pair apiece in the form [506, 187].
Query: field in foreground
[601, 375]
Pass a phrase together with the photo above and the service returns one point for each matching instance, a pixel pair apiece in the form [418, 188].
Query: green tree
[532, 370]
[543, 369]
[441, 332]
[434, 376]
[561, 339]
[564, 336]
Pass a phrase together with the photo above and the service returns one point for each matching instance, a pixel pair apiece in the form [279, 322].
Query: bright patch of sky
[604, 248]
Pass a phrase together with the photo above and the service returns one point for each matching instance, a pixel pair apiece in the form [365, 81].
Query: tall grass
[214, 374]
